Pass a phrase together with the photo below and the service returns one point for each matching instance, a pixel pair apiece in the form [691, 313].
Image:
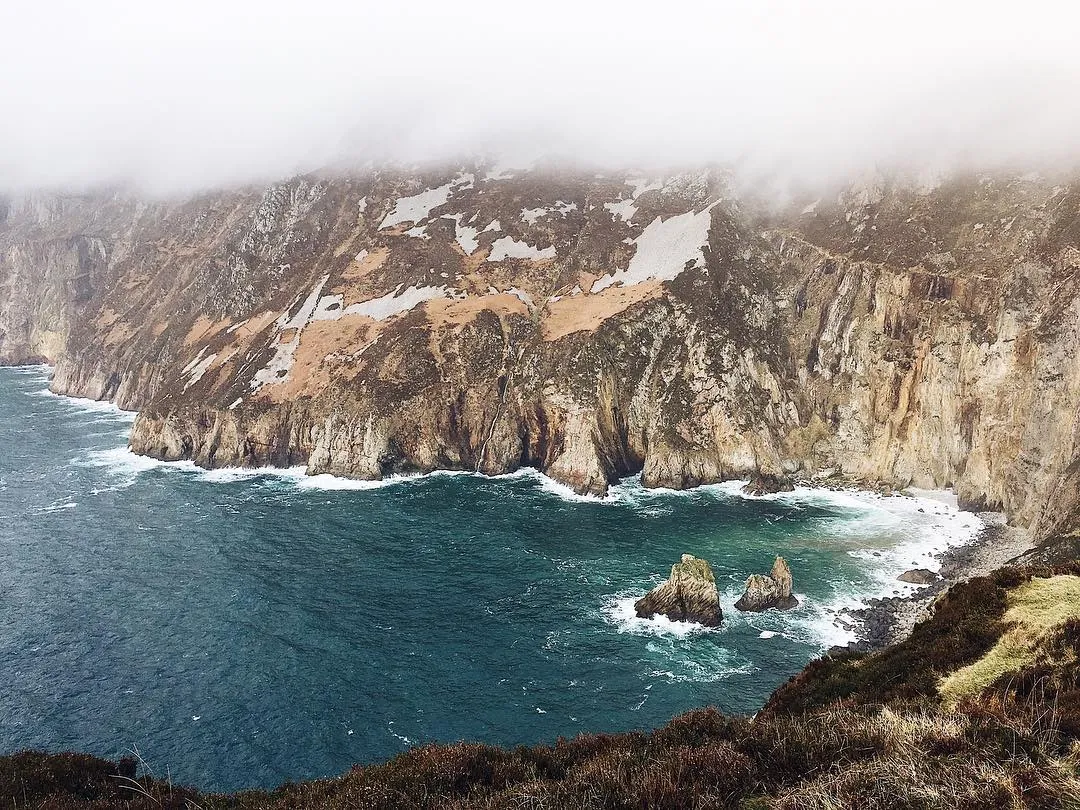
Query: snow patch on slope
[664, 249]
[419, 206]
[509, 248]
[398, 301]
[467, 236]
[277, 370]
[531, 215]
[197, 367]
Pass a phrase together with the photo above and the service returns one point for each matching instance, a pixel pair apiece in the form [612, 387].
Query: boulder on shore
[762, 483]
[772, 590]
[688, 595]
[919, 576]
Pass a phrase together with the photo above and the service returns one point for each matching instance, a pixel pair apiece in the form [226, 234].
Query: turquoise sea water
[241, 628]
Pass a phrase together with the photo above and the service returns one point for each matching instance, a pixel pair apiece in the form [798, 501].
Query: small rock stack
[772, 590]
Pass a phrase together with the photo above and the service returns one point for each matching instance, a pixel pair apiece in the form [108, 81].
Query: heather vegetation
[979, 708]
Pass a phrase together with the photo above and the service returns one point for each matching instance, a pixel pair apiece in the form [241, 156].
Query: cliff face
[590, 326]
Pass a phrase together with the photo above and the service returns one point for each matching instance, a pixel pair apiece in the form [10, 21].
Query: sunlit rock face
[688, 595]
[896, 331]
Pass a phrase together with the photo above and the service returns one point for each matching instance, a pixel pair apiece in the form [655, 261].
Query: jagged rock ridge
[591, 326]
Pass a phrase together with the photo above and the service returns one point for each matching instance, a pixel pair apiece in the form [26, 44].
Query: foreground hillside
[978, 708]
[919, 331]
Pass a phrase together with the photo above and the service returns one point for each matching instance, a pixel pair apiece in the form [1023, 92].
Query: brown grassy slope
[857, 731]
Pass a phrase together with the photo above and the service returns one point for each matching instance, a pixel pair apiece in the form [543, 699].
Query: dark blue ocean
[241, 628]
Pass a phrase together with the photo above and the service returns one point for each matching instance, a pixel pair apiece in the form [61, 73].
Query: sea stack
[688, 595]
[772, 590]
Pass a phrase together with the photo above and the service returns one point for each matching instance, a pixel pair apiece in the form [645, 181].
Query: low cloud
[207, 94]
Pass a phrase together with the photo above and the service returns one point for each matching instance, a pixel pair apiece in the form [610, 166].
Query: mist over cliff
[219, 94]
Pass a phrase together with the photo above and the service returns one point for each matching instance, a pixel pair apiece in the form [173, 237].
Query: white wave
[893, 533]
[820, 623]
[910, 532]
[91, 406]
[565, 493]
[618, 610]
[56, 506]
[393, 733]
[325, 481]
[685, 661]
[28, 370]
[122, 461]
[228, 475]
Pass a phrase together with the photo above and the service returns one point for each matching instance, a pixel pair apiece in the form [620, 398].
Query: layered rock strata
[904, 332]
[688, 595]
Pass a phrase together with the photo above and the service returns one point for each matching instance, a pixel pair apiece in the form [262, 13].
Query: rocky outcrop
[767, 591]
[688, 595]
[589, 325]
[918, 576]
[762, 483]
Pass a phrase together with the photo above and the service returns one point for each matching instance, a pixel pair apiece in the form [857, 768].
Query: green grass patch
[1034, 610]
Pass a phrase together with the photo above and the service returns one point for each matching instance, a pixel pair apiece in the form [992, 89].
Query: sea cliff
[900, 330]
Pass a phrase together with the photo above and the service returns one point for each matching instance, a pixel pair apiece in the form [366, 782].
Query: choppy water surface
[243, 628]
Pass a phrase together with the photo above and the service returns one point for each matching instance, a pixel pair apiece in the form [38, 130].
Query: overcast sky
[187, 95]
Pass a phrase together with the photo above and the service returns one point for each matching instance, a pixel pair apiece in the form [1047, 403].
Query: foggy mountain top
[212, 94]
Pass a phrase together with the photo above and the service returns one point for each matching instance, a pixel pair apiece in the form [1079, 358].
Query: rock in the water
[688, 595]
[919, 576]
[767, 483]
[773, 590]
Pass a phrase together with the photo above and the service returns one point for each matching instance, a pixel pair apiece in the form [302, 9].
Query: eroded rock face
[591, 326]
[767, 591]
[688, 595]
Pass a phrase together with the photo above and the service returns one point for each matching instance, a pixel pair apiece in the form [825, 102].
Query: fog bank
[206, 94]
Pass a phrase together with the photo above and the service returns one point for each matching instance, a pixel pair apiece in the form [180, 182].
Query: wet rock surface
[889, 619]
[768, 484]
[688, 595]
[918, 576]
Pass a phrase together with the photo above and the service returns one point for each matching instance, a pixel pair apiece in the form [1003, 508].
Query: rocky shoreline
[889, 620]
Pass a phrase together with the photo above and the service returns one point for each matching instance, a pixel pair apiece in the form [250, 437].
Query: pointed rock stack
[765, 591]
[688, 595]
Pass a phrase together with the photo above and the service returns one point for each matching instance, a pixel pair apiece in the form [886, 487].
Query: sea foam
[95, 407]
[618, 610]
[891, 534]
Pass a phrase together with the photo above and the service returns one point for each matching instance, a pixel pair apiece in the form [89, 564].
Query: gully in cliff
[772, 590]
[688, 595]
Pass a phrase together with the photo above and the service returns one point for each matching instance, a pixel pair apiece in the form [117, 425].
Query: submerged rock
[919, 576]
[772, 590]
[688, 595]
[767, 483]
